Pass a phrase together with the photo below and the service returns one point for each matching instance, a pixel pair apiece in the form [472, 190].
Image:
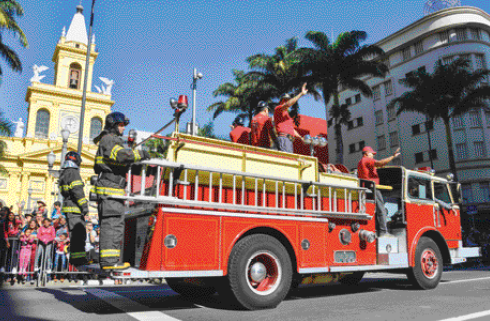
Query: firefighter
[75, 206]
[112, 163]
[262, 128]
[239, 133]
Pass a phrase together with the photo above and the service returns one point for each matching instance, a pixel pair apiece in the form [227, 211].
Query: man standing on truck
[239, 133]
[112, 163]
[284, 123]
[366, 169]
[262, 128]
[75, 206]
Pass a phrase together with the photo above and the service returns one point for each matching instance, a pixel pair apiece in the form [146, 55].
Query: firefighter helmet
[238, 121]
[285, 96]
[74, 157]
[115, 118]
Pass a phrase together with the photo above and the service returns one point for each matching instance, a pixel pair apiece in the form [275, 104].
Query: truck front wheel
[259, 272]
[427, 271]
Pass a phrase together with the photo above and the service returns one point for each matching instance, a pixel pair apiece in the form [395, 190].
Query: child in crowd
[46, 235]
[26, 242]
[61, 243]
[60, 226]
[56, 214]
[41, 209]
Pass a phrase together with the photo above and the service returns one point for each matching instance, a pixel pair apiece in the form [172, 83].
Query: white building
[446, 34]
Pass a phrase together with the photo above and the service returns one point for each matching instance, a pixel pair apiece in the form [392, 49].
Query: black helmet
[238, 121]
[261, 105]
[74, 157]
[115, 118]
[285, 96]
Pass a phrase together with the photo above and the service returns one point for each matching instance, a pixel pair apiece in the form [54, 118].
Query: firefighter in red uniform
[75, 206]
[285, 123]
[239, 133]
[366, 169]
[262, 128]
[112, 163]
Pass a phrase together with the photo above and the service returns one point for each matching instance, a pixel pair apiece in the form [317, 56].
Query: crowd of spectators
[39, 240]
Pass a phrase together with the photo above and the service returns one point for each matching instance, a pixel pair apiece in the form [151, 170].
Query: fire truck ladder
[324, 200]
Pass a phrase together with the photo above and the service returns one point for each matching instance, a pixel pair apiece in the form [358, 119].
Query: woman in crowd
[13, 232]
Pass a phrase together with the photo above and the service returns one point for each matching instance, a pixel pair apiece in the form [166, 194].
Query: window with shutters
[475, 119]
[475, 34]
[391, 113]
[352, 148]
[381, 142]
[444, 36]
[407, 53]
[458, 121]
[461, 34]
[376, 92]
[480, 149]
[419, 47]
[350, 125]
[388, 88]
[461, 151]
[379, 117]
[42, 124]
[394, 139]
[358, 98]
[360, 122]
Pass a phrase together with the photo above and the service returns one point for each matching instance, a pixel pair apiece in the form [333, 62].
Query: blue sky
[150, 47]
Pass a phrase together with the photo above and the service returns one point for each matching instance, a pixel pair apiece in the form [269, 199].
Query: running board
[134, 273]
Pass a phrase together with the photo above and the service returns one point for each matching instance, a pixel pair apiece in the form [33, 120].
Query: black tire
[268, 256]
[191, 287]
[352, 279]
[427, 272]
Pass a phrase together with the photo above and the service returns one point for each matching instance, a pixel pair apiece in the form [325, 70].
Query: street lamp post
[29, 195]
[84, 95]
[65, 134]
[196, 75]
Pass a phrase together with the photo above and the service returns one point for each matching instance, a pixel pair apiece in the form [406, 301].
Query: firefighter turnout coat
[112, 163]
[75, 206]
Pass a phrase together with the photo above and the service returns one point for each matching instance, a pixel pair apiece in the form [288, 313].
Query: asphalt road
[461, 295]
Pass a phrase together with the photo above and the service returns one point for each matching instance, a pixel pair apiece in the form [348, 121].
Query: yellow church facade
[51, 108]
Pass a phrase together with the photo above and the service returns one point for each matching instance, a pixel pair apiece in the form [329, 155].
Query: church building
[51, 108]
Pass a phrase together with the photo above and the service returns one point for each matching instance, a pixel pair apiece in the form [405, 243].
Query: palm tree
[341, 115]
[207, 131]
[451, 90]
[9, 10]
[5, 130]
[330, 66]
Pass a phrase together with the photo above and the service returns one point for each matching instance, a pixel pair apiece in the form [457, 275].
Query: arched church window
[75, 76]
[95, 127]
[42, 123]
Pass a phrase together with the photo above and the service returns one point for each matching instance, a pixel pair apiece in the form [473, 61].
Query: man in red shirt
[284, 123]
[262, 130]
[366, 169]
[239, 133]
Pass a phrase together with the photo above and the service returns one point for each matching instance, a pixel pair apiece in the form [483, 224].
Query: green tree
[451, 90]
[5, 130]
[207, 131]
[341, 116]
[341, 64]
[9, 10]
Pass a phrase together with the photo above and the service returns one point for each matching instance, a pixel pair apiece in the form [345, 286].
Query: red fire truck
[252, 223]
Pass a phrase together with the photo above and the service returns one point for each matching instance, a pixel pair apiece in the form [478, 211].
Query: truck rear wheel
[427, 271]
[190, 287]
[352, 279]
[259, 273]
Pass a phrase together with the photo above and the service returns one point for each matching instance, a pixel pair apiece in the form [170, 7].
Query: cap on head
[42, 202]
[368, 149]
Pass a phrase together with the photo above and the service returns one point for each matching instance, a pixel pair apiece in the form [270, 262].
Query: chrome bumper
[460, 254]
